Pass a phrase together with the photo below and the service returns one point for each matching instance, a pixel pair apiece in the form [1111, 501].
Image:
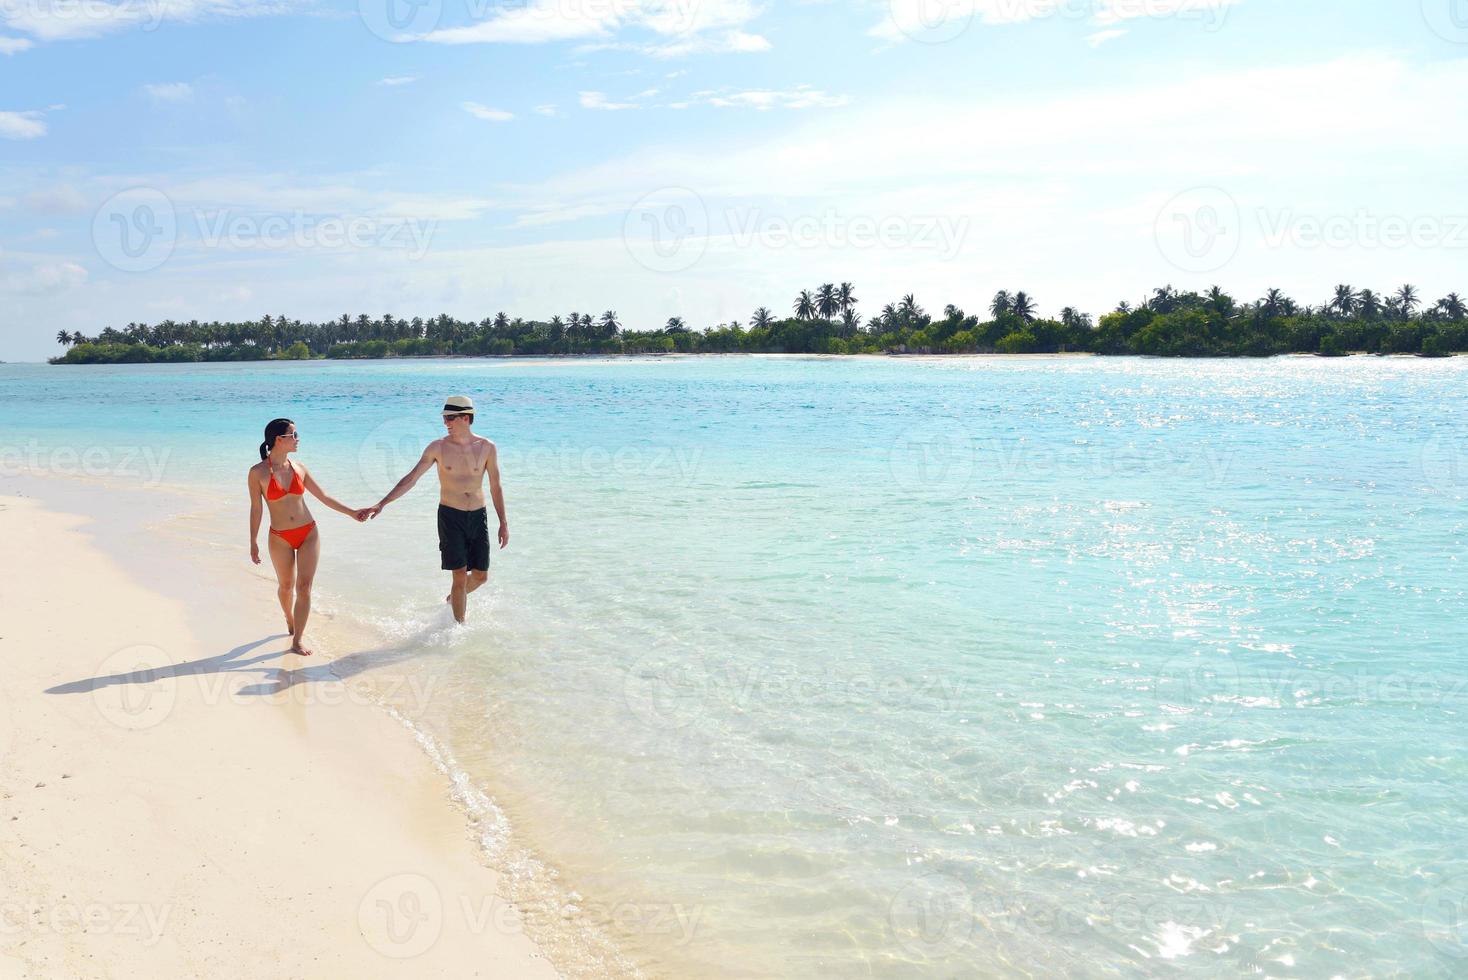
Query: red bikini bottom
[296, 536]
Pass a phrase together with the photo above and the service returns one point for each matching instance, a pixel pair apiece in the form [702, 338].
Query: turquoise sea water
[902, 668]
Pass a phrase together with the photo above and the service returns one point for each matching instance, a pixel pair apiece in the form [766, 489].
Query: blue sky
[219, 159]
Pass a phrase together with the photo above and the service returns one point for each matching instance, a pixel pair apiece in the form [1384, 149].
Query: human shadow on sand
[275, 679]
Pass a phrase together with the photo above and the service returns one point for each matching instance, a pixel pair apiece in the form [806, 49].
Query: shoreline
[263, 816]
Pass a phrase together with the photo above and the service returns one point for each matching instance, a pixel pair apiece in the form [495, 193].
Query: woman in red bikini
[295, 545]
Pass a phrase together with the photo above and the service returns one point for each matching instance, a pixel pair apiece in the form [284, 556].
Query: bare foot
[300, 648]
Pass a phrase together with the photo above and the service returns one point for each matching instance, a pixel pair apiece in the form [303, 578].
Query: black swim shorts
[463, 538]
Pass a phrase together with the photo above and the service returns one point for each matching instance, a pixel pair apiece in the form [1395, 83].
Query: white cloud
[683, 26]
[1101, 37]
[57, 199]
[598, 100]
[15, 45]
[802, 97]
[546, 110]
[22, 125]
[392, 81]
[63, 20]
[1211, 12]
[41, 277]
[486, 113]
[946, 19]
[170, 92]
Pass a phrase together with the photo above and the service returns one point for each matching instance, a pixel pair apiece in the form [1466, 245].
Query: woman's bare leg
[306, 559]
[283, 557]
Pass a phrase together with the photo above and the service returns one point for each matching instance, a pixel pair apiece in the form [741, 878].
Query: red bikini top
[273, 490]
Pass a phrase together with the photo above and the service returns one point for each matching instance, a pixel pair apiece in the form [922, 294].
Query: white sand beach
[162, 815]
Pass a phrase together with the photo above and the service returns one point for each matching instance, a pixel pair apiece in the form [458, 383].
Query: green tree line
[825, 321]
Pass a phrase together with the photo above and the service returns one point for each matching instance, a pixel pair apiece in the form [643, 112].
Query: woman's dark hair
[274, 430]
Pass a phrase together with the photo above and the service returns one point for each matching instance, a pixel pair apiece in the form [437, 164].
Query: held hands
[366, 514]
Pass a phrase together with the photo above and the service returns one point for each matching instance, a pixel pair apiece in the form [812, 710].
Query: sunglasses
[450, 418]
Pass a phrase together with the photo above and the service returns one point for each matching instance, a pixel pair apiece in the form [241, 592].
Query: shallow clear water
[878, 667]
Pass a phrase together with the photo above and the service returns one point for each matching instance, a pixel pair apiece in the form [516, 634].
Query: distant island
[1167, 323]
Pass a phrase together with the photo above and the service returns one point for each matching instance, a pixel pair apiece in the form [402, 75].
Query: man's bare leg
[306, 560]
[459, 593]
[475, 580]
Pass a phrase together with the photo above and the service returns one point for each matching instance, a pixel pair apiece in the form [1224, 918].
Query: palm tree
[805, 305]
[826, 302]
[849, 323]
[1221, 303]
[1123, 307]
[1451, 306]
[909, 309]
[1407, 300]
[889, 315]
[1164, 299]
[1344, 302]
[676, 325]
[1272, 302]
[1023, 306]
[846, 296]
[1000, 304]
[1368, 304]
[63, 338]
[609, 324]
[501, 321]
[762, 318]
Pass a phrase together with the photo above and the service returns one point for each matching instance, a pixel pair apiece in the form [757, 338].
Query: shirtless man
[463, 522]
